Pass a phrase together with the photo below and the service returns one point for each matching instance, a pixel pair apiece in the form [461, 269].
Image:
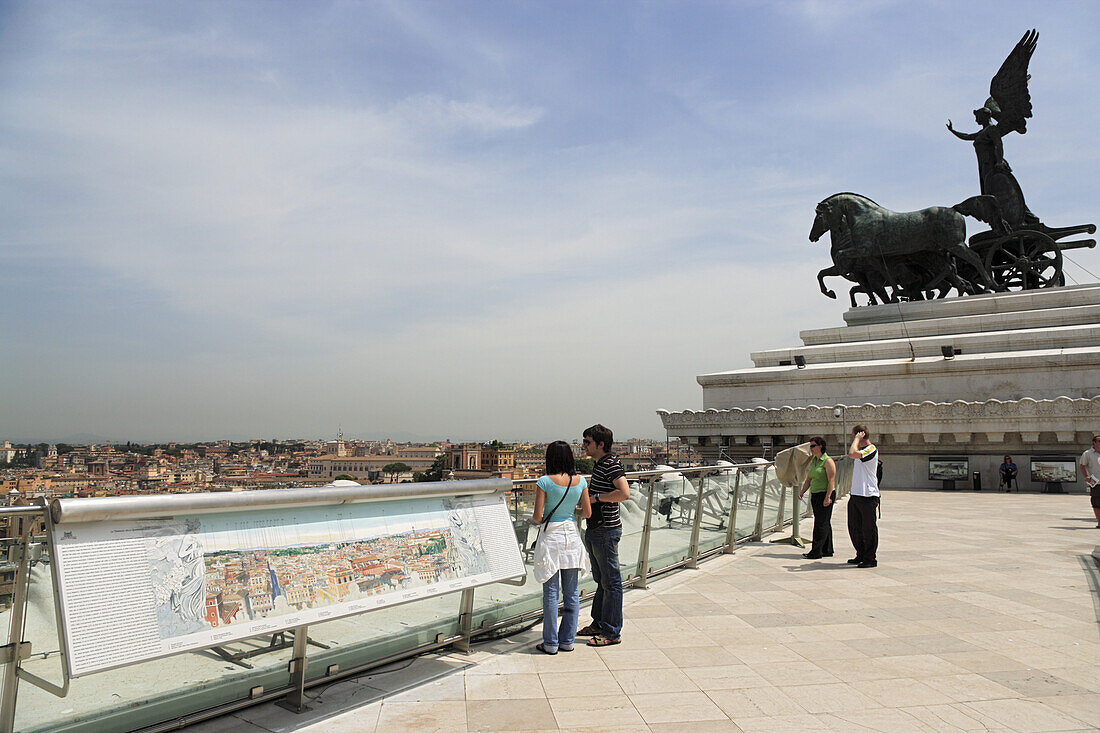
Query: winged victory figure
[1007, 110]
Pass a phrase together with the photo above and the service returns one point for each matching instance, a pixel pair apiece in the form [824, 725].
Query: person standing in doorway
[820, 481]
[864, 499]
[1008, 471]
[1090, 469]
[604, 529]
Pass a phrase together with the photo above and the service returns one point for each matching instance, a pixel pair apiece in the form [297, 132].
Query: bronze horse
[911, 253]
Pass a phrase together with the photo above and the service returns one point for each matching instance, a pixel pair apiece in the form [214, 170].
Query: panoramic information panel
[145, 588]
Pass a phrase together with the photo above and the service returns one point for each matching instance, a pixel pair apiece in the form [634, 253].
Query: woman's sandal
[604, 641]
[543, 649]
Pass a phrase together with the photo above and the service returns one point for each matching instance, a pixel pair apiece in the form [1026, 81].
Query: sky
[470, 220]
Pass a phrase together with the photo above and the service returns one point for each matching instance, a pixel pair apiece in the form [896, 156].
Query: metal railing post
[295, 702]
[758, 531]
[694, 549]
[782, 506]
[15, 634]
[643, 547]
[731, 532]
[465, 620]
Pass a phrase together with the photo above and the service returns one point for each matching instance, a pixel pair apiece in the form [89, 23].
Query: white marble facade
[1024, 381]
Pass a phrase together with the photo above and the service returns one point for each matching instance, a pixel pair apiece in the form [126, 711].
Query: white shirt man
[863, 502]
[1090, 469]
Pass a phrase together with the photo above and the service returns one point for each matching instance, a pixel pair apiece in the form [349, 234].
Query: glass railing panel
[499, 601]
[773, 491]
[717, 498]
[674, 503]
[748, 503]
[356, 640]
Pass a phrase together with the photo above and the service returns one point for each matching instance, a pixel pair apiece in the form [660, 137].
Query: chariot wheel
[1025, 260]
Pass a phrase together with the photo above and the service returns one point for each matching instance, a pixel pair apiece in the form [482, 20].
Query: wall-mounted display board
[137, 589]
[1052, 469]
[948, 468]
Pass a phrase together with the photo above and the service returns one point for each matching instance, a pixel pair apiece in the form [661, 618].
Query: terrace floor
[983, 614]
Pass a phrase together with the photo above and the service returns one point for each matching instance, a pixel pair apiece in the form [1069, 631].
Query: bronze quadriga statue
[922, 254]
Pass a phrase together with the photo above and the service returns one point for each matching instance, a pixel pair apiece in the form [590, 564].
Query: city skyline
[468, 221]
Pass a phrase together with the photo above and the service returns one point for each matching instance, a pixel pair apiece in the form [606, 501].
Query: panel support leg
[465, 620]
[295, 702]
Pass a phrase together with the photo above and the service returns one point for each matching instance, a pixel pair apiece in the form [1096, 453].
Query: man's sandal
[589, 630]
[604, 641]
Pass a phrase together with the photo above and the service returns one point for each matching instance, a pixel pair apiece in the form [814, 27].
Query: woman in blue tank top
[560, 557]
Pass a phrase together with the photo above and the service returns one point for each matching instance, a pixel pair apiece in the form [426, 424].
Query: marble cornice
[898, 417]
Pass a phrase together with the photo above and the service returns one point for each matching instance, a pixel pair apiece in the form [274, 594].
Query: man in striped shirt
[604, 529]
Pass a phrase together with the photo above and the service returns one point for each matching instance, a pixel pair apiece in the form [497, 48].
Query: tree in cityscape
[585, 465]
[435, 473]
[394, 469]
[344, 477]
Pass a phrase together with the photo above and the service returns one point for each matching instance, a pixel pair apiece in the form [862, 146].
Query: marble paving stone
[728, 677]
[981, 661]
[443, 716]
[640, 681]
[884, 647]
[503, 687]
[753, 654]
[793, 673]
[451, 687]
[834, 697]
[1087, 676]
[969, 687]
[600, 712]
[782, 724]
[950, 717]
[900, 692]
[1025, 715]
[886, 720]
[510, 715]
[1085, 708]
[1035, 683]
[917, 666]
[673, 707]
[622, 657]
[752, 702]
[700, 656]
[697, 726]
[580, 684]
[664, 637]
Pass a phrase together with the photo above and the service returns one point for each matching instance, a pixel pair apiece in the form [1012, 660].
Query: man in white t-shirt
[1090, 469]
[864, 499]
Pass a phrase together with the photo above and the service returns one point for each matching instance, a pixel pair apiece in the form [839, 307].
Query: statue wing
[1009, 86]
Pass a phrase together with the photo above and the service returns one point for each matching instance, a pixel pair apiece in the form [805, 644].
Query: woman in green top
[820, 481]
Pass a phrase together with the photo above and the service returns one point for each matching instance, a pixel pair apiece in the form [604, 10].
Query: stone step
[1039, 374]
[974, 304]
[1004, 321]
[1060, 337]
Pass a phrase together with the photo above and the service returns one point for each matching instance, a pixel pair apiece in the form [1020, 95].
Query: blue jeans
[602, 544]
[555, 636]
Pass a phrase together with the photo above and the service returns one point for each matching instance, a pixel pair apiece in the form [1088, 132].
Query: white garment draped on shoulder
[559, 547]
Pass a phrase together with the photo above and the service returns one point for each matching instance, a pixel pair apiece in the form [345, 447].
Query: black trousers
[863, 526]
[823, 525]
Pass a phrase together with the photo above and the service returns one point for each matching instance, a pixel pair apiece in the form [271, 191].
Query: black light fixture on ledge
[800, 361]
[948, 351]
